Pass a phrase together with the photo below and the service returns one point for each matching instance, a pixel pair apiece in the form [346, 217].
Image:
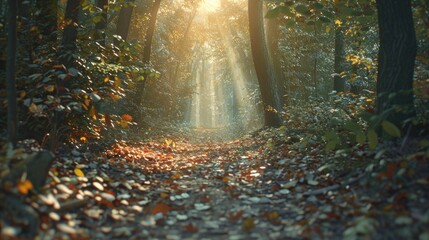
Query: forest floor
[200, 186]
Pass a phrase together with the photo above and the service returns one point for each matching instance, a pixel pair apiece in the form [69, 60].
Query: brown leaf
[161, 208]
[191, 228]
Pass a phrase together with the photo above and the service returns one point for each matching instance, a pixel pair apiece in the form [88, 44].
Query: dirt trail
[249, 188]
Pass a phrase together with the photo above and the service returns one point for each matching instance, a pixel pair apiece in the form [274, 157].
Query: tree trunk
[48, 19]
[124, 21]
[273, 35]
[12, 118]
[68, 43]
[101, 26]
[264, 69]
[339, 83]
[396, 59]
[148, 46]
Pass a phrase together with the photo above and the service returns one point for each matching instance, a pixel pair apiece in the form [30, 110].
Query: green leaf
[360, 137]
[302, 9]
[391, 129]
[273, 13]
[372, 139]
[330, 146]
[353, 127]
[324, 19]
[318, 5]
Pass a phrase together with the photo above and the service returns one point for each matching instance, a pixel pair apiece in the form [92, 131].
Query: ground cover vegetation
[214, 119]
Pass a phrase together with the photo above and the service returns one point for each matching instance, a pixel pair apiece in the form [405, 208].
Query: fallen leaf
[161, 208]
[24, 187]
[191, 228]
[79, 172]
[248, 224]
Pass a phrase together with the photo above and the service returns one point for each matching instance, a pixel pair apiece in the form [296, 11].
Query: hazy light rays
[245, 106]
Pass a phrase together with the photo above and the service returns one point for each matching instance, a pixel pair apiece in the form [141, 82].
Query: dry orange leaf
[24, 187]
[161, 208]
[176, 176]
[127, 117]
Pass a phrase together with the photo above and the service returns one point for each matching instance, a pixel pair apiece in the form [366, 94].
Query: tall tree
[10, 73]
[397, 54]
[124, 20]
[68, 43]
[147, 49]
[263, 67]
[339, 83]
[273, 36]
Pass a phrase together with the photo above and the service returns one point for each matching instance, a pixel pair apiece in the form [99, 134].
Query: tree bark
[264, 70]
[339, 83]
[124, 21]
[397, 54]
[12, 118]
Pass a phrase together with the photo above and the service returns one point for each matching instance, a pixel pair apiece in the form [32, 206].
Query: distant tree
[147, 50]
[263, 67]
[124, 20]
[10, 72]
[48, 17]
[397, 54]
[68, 43]
[339, 83]
[101, 25]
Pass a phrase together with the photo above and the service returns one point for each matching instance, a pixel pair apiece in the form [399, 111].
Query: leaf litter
[255, 187]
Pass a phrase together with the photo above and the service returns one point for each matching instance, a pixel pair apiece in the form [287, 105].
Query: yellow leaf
[248, 224]
[87, 102]
[328, 29]
[164, 195]
[79, 172]
[83, 139]
[106, 79]
[24, 187]
[117, 83]
[93, 113]
[338, 22]
[124, 123]
[34, 108]
[49, 88]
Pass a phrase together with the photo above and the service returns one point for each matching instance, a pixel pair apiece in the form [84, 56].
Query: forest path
[255, 187]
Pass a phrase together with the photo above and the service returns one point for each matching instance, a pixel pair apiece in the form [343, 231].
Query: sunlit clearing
[210, 5]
